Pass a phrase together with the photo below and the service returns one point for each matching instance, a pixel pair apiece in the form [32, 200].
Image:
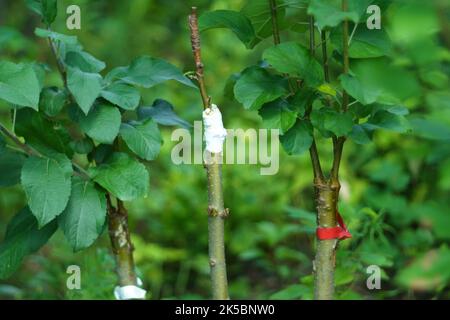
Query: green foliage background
[395, 195]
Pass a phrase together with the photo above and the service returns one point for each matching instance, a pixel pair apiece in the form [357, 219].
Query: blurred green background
[395, 195]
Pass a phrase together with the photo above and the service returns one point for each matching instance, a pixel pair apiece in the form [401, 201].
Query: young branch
[274, 15]
[196, 50]
[216, 210]
[30, 151]
[313, 152]
[326, 67]
[338, 144]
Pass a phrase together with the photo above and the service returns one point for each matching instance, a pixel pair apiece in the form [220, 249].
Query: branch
[30, 151]
[338, 144]
[314, 154]
[274, 15]
[326, 67]
[196, 50]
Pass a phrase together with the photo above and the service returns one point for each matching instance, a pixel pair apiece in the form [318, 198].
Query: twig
[196, 50]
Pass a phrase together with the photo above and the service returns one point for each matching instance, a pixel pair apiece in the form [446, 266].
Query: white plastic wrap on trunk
[215, 133]
[130, 292]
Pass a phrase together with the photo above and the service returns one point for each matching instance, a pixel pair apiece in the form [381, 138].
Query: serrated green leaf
[19, 84]
[102, 123]
[41, 133]
[278, 115]
[233, 20]
[354, 88]
[85, 87]
[43, 33]
[298, 139]
[143, 139]
[46, 182]
[365, 43]
[148, 72]
[84, 61]
[83, 219]
[22, 238]
[385, 120]
[122, 95]
[294, 59]
[359, 135]
[257, 86]
[329, 13]
[326, 119]
[49, 10]
[163, 113]
[84, 146]
[10, 167]
[124, 177]
[52, 101]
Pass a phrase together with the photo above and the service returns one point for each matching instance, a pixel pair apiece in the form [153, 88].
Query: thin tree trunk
[324, 263]
[216, 211]
[121, 244]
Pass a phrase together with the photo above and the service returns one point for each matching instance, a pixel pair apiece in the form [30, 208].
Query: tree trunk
[121, 244]
[326, 195]
[217, 214]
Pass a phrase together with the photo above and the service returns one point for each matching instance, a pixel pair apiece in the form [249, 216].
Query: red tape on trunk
[339, 232]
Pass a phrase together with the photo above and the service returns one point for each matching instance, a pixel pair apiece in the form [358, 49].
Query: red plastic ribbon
[339, 232]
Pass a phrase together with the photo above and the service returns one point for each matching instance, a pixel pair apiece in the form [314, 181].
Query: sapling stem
[216, 210]
[327, 192]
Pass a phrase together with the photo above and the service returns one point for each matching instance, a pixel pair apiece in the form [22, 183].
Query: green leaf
[233, 20]
[19, 84]
[84, 217]
[257, 86]
[294, 59]
[328, 13]
[359, 135]
[148, 72]
[49, 10]
[326, 119]
[163, 113]
[102, 123]
[10, 167]
[46, 182]
[259, 13]
[84, 86]
[43, 33]
[84, 61]
[365, 43]
[430, 129]
[278, 115]
[122, 95]
[378, 80]
[298, 139]
[143, 139]
[52, 101]
[42, 134]
[124, 177]
[357, 90]
[22, 238]
[84, 146]
[385, 120]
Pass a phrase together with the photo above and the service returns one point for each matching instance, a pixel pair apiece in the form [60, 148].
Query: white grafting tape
[215, 133]
[130, 292]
